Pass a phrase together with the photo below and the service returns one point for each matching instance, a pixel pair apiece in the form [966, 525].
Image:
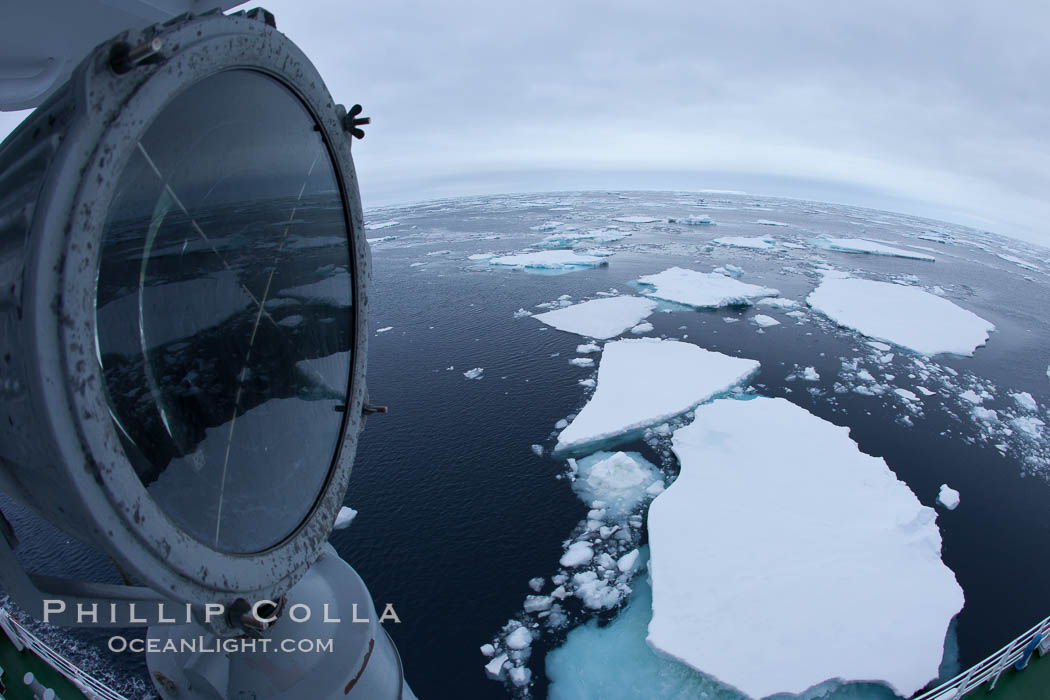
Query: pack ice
[798, 544]
[905, 316]
[646, 381]
[702, 289]
[600, 318]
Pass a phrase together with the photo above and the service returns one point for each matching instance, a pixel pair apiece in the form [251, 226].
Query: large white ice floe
[800, 543]
[645, 382]
[600, 318]
[861, 245]
[550, 260]
[905, 316]
[702, 289]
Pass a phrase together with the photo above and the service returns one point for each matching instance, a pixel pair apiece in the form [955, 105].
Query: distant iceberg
[647, 381]
[902, 315]
[800, 542]
[702, 289]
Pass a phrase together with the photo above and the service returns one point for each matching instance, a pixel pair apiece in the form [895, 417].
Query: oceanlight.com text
[210, 645]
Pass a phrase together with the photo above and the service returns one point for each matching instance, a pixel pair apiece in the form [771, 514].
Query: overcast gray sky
[934, 108]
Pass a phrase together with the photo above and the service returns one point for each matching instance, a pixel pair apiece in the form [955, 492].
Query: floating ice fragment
[692, 221]
[618, 480]
[380, 225]
[763, 321]
[384, 329]
[948, 497]
[642, 328]
[1025, 401]
[777, 303]
[600, 318]
[481, 256]
[588, 382]
[905, 316]
[647, 381]
[905, 394]
[550, 260]
[582, 362]
[860, 245]
[561, 424]
[815, 543]
[588, 347]
[494, 668]
[627, 561]
[488, 650]
[755, 242]
[538, 603]
[520, 638]
[344, 518]
[519, 676]
[971, 396]
[536, 584]
[1030, 426]
[537, 450]
[474, 373]
[702, 289]
[767, 222]
[578, 554]
[636, 219]
[522, 313]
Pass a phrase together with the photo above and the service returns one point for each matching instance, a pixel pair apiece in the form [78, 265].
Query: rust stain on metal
[355, 679]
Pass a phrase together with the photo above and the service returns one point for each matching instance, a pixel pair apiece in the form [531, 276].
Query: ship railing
[91, 687]
[1017, 653]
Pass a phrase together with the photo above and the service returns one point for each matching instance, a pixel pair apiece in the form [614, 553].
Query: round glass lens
[225, 325]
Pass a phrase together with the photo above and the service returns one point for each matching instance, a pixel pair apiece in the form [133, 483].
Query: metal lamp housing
[59, 449]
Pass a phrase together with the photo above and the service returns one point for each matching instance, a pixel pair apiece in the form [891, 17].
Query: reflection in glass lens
[224, 311]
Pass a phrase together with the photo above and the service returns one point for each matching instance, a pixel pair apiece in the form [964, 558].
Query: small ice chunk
[522, 313]
[777, 303]
[905, 394]
[768, 222]
[600, 318]
[519, 676]
[537, 450]
[1030, 426]
[488, 650]
[642, 328]
[636, 219]
[924, 391]
[702, 289]
[647, 381]
[905, 316]
[344, 518]
[595, 593]
[810, 374]
[474, 373]
[627, 561]
[582, 362]
[578, 554]
[619, 480]
[972, 396]
[380, 225]
[538, 603]
[384, 329]
[494, 668]
[589, 383]
[536, 584]
[948, 497]
[519, 639]
[763, 321]
[481, 256]
[588, 347]
[692, 220]
[1025, 401]
[562, 424]
[755, 243]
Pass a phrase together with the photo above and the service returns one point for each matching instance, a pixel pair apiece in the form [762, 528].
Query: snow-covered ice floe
[636, 219]
[702, 289]
[600, 318]
[860, 245]
[550, 260]
[798, 542]
[647, 381]
[752, 242]
[905, 316]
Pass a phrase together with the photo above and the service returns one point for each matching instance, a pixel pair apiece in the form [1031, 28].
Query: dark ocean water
[456, 512]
